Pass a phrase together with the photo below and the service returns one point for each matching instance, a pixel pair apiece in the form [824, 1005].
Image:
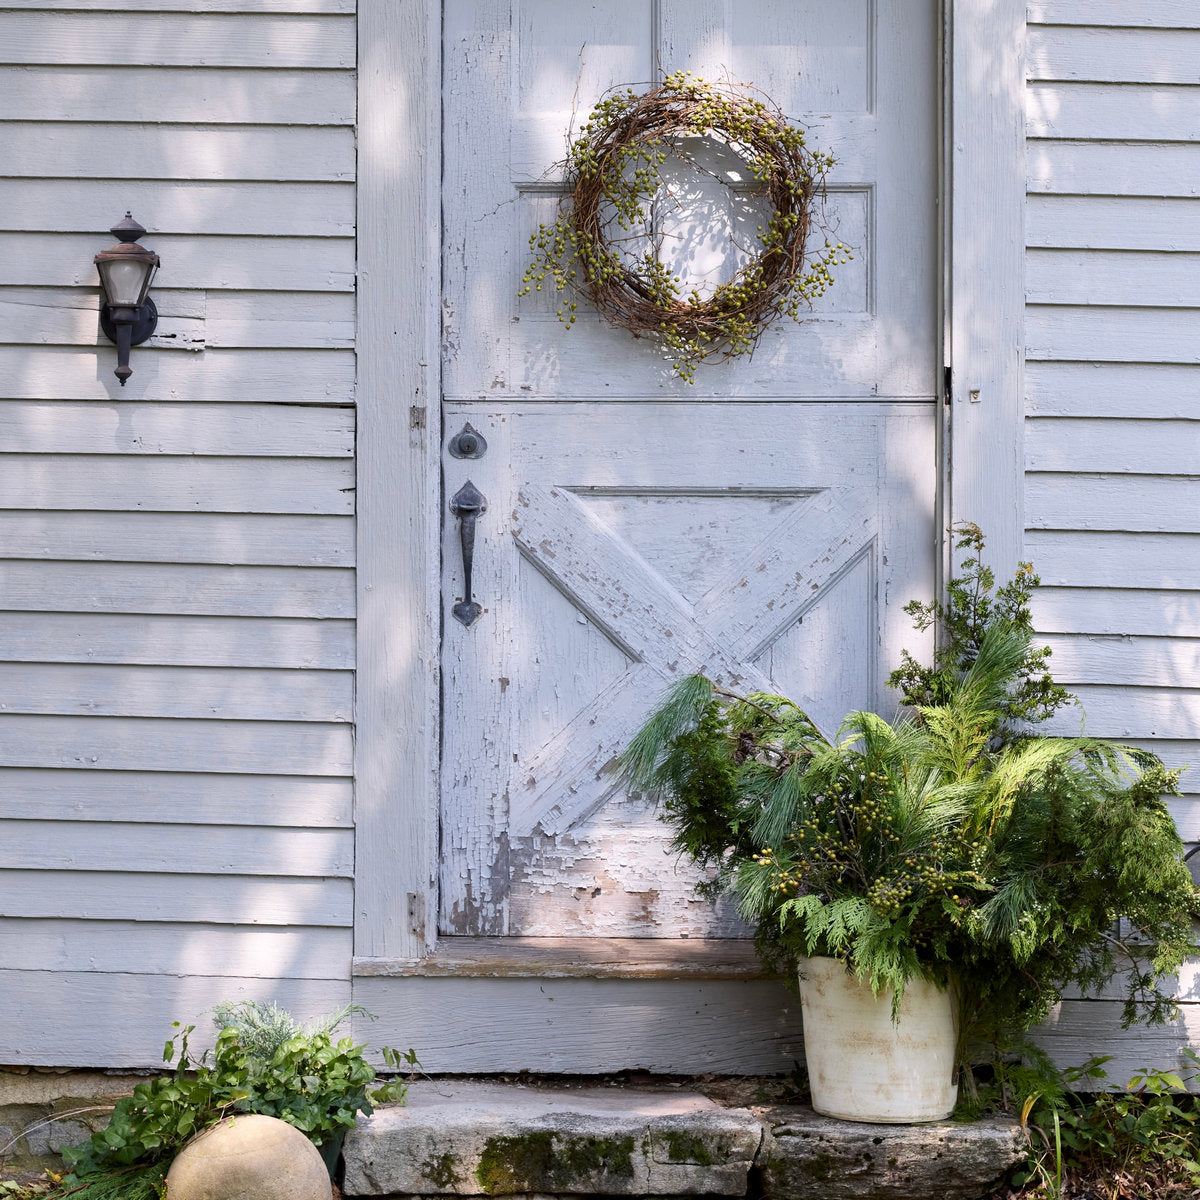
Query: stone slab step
[469, 1138]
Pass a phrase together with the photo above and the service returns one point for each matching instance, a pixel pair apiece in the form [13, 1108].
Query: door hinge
[947, 390]
[416, 914]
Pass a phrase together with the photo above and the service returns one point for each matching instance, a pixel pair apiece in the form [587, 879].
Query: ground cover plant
[263, 1062]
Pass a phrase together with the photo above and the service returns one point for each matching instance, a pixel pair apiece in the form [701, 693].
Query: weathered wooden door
[764, 525]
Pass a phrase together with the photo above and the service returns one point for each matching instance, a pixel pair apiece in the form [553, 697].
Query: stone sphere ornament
[626, 202]
[249, 1157]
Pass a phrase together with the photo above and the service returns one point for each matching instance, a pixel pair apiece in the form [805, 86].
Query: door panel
[763, 525]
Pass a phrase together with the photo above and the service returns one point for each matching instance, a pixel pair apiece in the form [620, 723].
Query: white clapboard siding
[1130, 446]
[62, 944]
[160, 39]
[218, 693]
[73, 1018]
[177, 589]
[164, 483]
[178, 849]
[170, 797]
[1126, 111]
[1112, 436]
[1116, 168]
[176, 641]
[1112, 223]
[196, 207]
[232, 376]
[1116, 54]
[1085, 389]
[179, 95]
[256, 430]
[177, 555]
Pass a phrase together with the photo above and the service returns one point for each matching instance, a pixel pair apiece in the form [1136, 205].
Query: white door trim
[399, 173]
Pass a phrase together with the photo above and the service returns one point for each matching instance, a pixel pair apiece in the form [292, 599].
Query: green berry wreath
[613, 176]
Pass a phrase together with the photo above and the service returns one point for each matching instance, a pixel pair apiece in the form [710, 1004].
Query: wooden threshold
[577, 958]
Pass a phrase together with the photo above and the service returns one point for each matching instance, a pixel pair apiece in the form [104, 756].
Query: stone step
[469, 1138]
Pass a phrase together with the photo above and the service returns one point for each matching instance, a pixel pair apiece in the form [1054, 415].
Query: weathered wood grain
[193, 207]
[179, 95]
[163, 483]
[1113, 278]
[177, 589]
[189, 39]
[1075, 389]
[245, 539]
[177, 850]
[165, 744]
[176, 641]
[218, 693]
[231, 430]
[1155, 169]
[1113, 55]
[166, 797]
[174, 949]
[71, 1014]
[1128, 446]
[1112, 223]
[246, 376]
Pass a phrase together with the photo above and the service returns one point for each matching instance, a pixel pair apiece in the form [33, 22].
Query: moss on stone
[442, 1171]
[544, 1160]
[684, 1147]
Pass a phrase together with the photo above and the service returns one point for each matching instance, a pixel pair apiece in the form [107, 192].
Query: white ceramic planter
[864, 1067]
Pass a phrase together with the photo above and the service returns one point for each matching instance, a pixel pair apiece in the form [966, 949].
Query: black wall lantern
[128, 315]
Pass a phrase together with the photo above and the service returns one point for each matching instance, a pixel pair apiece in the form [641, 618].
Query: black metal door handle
[467, 504]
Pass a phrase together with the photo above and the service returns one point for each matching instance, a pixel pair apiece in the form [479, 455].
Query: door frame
[982, 199]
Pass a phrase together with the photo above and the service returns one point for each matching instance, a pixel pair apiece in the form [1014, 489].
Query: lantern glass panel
[125, 281]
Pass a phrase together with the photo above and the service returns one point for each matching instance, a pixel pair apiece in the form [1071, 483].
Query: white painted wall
[177, 645]
[1113, 398]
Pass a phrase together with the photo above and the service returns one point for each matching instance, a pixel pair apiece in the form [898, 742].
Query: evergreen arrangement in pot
[953, 850]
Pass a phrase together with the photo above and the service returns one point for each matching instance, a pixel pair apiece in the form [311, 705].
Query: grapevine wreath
[613, 176]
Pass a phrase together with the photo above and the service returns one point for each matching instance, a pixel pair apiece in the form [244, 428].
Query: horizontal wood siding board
[209, 899]
[1152, 169]
[199, 6]
[1127, 112]
[241, 539]
[165, 744]
[179, 484]
[91, 1018]
[284, 264]
[178, 95]
[1136, 661]
[585, 1025]
[178, 589]
[70, 317]
[178, 850]
[1140, 504]
[1132, 611]
[166, 797]
[1113, 55]
[194, 207]
[1112, 223]
[70, 150]
[71, 37]
[200, 693]
[1117, 710]
[60, 944]
[1165, 14]
[251, 376]
[1167, 561]
[229, 430]
[1075, 389]
[1114, 278]
[1131, 446]
[176, 641]
[1058, 332]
